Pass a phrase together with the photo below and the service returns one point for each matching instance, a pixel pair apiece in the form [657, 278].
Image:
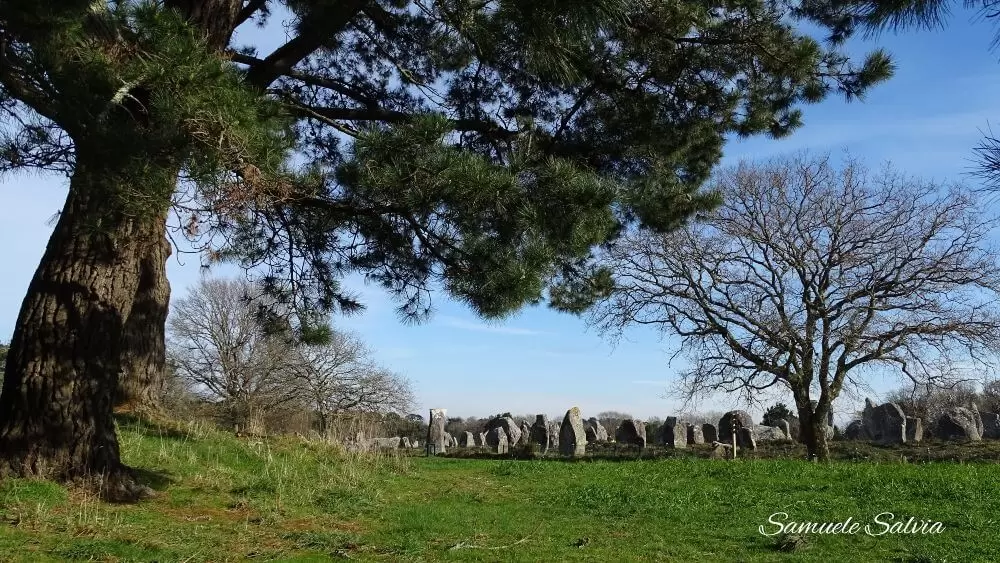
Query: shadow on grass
[155, 479]
[153, 428]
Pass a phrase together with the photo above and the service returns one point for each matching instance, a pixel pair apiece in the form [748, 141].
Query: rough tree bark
[70, 342]
[65, 354]
[144, 350]
[143, 361]
[813, 431]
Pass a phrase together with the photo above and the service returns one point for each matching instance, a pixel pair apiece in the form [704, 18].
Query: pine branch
[310, 38]
[11, 77]
[488, 129]
[309, 79]
[248, 11]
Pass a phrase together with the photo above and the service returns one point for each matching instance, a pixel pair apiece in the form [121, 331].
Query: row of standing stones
[888, 424]
[885, 423]
[571, 437]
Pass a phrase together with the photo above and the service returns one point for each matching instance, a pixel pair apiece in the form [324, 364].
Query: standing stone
[466, 440]
[746, 439]
[525, 432]
[482, 439]
[599, 431]
[416, 443]
[497, 440]
[539, 432]
[855, 431]
[958, 423]
[868, 420]
[591, 434]
[554, 428]
[710, 433]
[572, 438]
[695, 435]
[674, 433]
[977, 417]
[890, 423]
[914, 429]
[742, 420]
[406, 443]
[449, 440]
[785, 427]
[631, 432]
[510, 428]
[435, 431]
[991, 425]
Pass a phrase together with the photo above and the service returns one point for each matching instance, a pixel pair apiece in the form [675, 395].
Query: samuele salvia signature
[884, 523]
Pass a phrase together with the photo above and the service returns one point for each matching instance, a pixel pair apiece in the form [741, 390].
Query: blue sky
[926, 121]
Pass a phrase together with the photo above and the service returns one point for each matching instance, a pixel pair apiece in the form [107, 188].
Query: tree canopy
[481, 147]
[774, 413]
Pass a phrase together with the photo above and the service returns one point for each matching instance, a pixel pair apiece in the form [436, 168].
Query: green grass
[226, 499]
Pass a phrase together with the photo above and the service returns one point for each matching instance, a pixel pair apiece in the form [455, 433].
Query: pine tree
[483, 148]
[777, 411]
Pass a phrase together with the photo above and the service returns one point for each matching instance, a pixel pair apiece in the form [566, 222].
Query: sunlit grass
[221, 498]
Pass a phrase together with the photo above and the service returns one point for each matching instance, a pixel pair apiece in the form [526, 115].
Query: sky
[925, 121]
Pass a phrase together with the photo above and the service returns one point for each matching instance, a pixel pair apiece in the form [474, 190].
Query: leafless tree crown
[810, 276]
[218, 344]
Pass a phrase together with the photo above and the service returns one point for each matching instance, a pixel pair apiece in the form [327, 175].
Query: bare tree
[812, 277]
[217, 343]
[612, 419]
[340, 375]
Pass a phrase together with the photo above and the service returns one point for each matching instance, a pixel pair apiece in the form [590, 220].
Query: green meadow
[222, 498]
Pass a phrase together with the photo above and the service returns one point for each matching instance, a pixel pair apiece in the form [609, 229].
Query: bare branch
[808, 275]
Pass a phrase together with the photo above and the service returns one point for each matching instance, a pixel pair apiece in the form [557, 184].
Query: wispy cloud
[455, 322]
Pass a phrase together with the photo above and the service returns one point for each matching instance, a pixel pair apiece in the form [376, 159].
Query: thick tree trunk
[813, 433]
[143, 361]
[65, 355]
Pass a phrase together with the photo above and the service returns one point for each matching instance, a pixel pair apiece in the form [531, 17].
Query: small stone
[721, 451]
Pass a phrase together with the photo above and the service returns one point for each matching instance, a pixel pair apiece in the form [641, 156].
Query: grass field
[226, 499]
